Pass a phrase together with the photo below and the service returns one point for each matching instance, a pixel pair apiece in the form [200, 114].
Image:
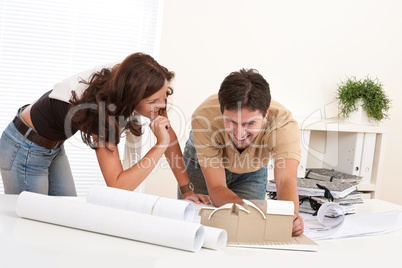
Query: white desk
[26, 243]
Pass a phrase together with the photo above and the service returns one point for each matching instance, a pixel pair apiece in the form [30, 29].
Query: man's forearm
[286, 180]
[289, 193]
[221, 195]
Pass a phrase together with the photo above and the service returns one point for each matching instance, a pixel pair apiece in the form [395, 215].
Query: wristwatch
[186, 188]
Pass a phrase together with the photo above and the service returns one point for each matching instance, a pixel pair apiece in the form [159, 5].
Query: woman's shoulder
[62, 90]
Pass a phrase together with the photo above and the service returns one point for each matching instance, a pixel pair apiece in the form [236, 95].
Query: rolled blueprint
[154, 205]
[116, 222]
[142, 203]
[215, 238]
[330, 218]
[325, 215]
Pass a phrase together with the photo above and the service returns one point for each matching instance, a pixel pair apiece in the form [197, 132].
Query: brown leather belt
[34, 136]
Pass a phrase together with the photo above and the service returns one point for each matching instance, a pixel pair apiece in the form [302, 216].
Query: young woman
[101, 103]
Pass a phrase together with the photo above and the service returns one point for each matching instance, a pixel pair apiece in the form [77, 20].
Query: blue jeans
[251, 185]
[26, 166]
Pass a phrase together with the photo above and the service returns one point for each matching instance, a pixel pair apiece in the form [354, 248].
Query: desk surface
[27, 243]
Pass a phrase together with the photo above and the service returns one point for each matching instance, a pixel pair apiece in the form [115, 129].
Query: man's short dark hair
[245, 89]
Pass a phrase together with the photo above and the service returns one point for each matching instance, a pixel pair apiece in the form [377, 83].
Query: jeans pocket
[8, 151]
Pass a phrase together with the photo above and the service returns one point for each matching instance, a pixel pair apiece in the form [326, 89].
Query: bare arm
[285, 173]
[112, 170]
[175, 159]
[218, 191]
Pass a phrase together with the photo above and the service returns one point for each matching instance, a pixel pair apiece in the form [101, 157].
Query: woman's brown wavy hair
[106, 107]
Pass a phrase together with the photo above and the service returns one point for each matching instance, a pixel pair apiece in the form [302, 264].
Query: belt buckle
[58, 144]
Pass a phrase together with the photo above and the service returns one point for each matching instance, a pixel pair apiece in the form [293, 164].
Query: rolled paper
[154, 205]
[142, 203]
[325, 215]
[110, 221]
[215, 238]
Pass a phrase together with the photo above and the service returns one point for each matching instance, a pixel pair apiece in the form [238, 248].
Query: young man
[234, 136]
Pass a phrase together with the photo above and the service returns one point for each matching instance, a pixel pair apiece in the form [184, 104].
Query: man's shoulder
[209, 107]
[207, 118]
[276, 105]
[277, 112]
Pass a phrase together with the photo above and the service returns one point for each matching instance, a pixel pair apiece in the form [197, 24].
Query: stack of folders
[310, 204]
[324, 185]
[324, 174]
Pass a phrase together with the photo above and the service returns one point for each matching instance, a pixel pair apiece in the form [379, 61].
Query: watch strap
[186, 188]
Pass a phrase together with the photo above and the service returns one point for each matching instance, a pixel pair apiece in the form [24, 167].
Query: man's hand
[298, 226]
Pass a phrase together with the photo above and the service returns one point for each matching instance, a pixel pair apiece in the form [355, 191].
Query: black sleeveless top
[49, 117]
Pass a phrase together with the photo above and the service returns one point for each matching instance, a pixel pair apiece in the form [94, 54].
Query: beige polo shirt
[279, 138]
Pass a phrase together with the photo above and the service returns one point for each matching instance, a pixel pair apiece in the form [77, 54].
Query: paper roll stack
[141, 203]
[154, 205]
[116, 222]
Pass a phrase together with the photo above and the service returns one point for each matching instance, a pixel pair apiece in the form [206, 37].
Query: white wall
[303, 49]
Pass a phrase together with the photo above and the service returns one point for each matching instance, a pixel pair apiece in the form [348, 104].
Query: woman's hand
[160, 127]
[197, 198]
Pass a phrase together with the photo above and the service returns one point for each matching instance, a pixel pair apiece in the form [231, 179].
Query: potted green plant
[356, 96]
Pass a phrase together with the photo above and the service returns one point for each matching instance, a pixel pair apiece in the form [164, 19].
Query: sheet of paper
[116, 222]
[369, 224]
[301, 242]
[355, 225]
[330, 217]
